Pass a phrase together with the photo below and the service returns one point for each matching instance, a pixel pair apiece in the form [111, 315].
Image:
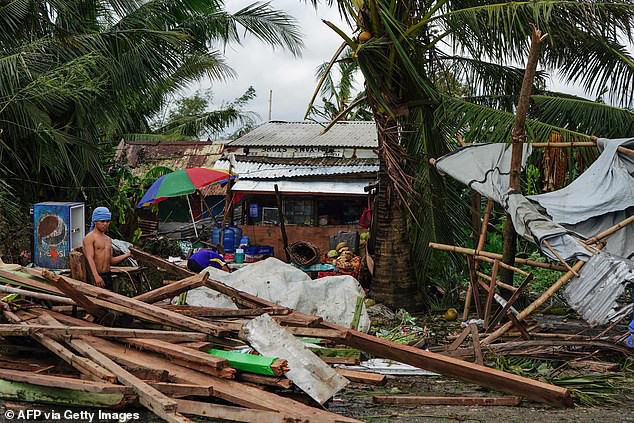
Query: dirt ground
[356, 401]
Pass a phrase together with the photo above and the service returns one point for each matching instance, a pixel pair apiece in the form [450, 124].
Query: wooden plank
[468, 401]
[279, 382]
[459, 369]
[177, 352]
[460, 339]
[368, 378]
[237, 414]
[27, 392]
[183, 389]
[225, 373]
[24, 280]
[518, 325]
[510, 302]
[64, 382]
[149, 397]
[36, 295]
[172, 290]
[341, 360]
[473, 280]
[75, 295]
[225, 389]
[316, 332]
[23, 330]
[198, 311]
[83, 365]
[160, 263]
[475, 339]
[105, 297]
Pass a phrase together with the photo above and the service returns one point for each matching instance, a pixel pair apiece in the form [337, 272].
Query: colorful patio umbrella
[182, 182]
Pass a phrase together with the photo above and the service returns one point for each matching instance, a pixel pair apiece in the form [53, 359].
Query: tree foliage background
[77, 75]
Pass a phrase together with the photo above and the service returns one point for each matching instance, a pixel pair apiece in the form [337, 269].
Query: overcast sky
[291, 79]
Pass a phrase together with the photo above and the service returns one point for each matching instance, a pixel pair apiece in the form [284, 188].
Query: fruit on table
[333, 254]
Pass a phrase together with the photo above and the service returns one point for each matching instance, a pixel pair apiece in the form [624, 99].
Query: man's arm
[118, 259]
[89, 252]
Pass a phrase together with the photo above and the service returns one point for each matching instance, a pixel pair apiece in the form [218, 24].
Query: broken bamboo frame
[535, 304]
[481, 242]
[559, 257]
[478, 254]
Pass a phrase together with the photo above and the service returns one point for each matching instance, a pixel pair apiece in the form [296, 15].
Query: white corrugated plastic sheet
[311, 187]
[255, 170]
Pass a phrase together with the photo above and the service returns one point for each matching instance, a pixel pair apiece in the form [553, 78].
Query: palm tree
[338, 95]
[403, 46]
[77, 74]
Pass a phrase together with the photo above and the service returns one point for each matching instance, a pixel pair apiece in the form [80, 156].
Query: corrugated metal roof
[601, 282]
[294, 169]
[355, 187]
[141, 156]
[342, 134]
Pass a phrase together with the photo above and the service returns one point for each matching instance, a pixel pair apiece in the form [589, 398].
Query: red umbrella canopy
[182, 182]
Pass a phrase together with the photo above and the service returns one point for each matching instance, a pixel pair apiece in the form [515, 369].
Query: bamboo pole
[592, 143]
[498, 283]
[609, 231]
[559, 257]
[480, 246]
[37, 295]
[479, 254]
[535, 304]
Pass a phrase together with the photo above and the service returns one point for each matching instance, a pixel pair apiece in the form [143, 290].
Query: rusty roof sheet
[342, 134]
[141, 156]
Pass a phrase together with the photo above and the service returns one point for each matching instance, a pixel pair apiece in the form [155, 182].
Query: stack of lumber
[108, 350]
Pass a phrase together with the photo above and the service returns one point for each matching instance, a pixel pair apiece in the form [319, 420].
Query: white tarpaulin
[334, 297]
[602, 196]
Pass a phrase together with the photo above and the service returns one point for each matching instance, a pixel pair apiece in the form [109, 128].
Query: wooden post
[479, 246]
[280, 212]
[518, 140]
[489, 303]
[228, 202]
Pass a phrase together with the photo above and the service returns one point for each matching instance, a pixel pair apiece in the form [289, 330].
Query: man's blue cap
[100, 213]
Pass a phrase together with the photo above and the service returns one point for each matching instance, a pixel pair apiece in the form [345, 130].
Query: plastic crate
[259, 250]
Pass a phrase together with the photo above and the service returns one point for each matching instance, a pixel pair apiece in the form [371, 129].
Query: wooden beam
[28, 330]
[149, 397]
[172, 290]
[509, 303]
[368, 378]
[279, 382]
[64, 382]
[475, 339]
[199, 311]
[237, 414]
[104, 297]
[36, 295]
[225, 389]
[177, 352]
[468, 401]
[160, 263]
[459, 369]
[85, 366]
[79, 298]
[183, 389]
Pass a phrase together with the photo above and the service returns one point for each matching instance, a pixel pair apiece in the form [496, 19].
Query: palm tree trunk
[393, 282]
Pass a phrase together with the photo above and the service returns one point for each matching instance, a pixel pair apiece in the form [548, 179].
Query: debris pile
[183, 360]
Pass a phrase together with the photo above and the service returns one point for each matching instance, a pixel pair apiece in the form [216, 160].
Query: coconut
[365, 36]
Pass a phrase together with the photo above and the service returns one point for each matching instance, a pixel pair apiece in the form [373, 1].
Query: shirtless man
[98, 248]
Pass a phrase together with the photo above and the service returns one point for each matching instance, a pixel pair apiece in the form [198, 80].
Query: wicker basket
[303, 254]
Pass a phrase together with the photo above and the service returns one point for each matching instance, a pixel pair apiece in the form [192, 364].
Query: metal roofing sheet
[342, 134]
[256, 170]
[601, 282]
[142, 156]
[355, 187]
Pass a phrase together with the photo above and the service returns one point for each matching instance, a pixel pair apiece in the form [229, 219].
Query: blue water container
[231, 240]
[215, 235]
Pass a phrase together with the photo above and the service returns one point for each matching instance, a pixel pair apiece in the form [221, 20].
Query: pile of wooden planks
[117, 350]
